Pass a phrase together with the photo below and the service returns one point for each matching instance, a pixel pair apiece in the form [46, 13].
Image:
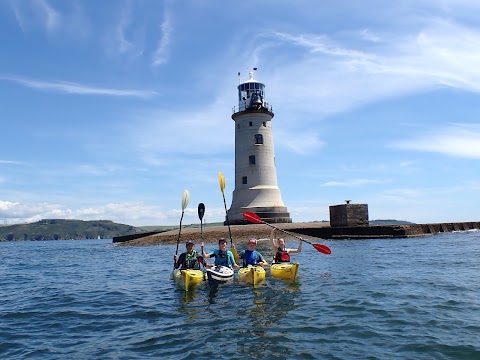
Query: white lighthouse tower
[256, 187]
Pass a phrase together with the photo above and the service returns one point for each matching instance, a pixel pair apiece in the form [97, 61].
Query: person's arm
[179, 261]
[272, 242]
[297, 250]
[205, 255]
[232, 259]
[261, 260]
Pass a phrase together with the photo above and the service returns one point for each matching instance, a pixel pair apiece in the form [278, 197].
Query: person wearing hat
[251, 256]
[190, 259]
[223, 257]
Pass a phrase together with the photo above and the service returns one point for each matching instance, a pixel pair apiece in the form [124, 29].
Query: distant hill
[63, 229]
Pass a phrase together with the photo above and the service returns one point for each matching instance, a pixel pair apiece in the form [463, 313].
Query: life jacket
[192, 261]
[282, 255]
[250, 258]
[221, 258]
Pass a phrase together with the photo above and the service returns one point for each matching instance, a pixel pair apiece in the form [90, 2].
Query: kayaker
[282, 254]
[222, 256]
[190, 259]
[251, 256]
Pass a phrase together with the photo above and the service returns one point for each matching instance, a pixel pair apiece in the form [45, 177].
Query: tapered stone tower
[256, 187]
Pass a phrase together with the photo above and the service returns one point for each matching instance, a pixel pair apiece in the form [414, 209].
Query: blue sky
[110, 109]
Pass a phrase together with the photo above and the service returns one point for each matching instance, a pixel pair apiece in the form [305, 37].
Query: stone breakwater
[308, 231]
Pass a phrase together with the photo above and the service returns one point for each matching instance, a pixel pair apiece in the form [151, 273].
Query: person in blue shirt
[251, 256]
[222, 256]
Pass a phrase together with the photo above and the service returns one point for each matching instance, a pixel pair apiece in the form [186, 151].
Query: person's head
[281, 242]
[190, 245]
[252, 243]
[222, 244]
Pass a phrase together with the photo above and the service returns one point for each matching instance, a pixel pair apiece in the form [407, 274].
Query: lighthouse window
[258, 139]
[257, 86]
[251, 159]
[244, 180]
[250, 123]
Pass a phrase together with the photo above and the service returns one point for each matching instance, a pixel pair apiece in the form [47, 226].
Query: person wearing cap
[190, 259]
[282, 254]
[251, 256]
[223, 257]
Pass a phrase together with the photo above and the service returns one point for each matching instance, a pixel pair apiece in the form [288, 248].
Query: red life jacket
[282, 256]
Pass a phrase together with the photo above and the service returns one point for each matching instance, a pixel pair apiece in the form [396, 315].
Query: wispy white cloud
[51, 17]
[162, 132]
[328, 75]
[458, 140]
[11, 162]
[36, 12]
[162, 52]
[74, 88]
[304, 142]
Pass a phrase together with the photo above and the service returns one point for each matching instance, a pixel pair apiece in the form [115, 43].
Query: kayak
[219, 275]
[285, 271]
[251, 274]
[187, 278]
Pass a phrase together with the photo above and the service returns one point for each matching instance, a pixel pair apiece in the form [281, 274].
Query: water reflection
[267, 335]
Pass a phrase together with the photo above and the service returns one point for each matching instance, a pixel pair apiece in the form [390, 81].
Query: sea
[415, 298]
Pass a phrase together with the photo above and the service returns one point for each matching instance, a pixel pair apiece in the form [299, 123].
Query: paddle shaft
[185, 200]
[179, 232]
[226, 216]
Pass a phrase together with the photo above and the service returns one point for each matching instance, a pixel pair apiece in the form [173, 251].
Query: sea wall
[383, 232]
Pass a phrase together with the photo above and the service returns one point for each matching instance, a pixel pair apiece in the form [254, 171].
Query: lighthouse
[256, 187]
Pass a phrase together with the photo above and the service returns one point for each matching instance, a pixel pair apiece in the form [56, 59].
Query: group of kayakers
[191, 259]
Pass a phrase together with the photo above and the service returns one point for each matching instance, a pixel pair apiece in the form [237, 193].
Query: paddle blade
[324, 249]
[221, 179]
[201, 211]
[252, 217]
[185, 199]
[235, 255]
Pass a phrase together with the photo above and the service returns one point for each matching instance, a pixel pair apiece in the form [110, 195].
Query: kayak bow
[285, 271]
[251, 274]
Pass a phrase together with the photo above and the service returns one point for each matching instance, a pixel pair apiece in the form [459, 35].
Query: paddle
[221, 179]
[254, 218]
[185, 200]
[201, 212]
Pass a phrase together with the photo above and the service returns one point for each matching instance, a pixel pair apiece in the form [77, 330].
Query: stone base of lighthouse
[272, 215]
[265, 201]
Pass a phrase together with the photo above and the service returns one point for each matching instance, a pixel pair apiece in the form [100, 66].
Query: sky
[110, 109]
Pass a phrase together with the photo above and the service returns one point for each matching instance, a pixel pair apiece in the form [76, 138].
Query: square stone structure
[349, 215]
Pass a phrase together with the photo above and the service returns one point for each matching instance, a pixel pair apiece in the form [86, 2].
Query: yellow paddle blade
[185, 199]
[221, 179]
[235, 255]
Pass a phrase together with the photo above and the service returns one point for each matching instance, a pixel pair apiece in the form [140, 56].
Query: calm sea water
[373, 299]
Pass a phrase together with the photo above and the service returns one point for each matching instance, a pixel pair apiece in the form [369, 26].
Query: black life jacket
[282, 255]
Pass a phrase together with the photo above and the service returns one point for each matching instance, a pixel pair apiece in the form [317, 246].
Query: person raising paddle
[190, 259]
[223, 257]
[282, 254]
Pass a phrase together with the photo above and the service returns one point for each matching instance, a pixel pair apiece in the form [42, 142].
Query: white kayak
[219, 274]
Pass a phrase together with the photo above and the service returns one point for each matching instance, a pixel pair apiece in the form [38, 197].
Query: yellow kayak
[251, 274]
[187, 278]
[285, 271]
